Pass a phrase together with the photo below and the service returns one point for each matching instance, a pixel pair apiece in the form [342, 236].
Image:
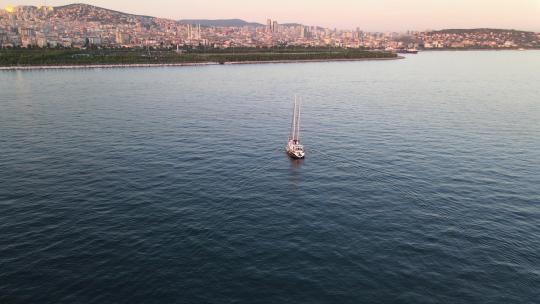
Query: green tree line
[29, 57]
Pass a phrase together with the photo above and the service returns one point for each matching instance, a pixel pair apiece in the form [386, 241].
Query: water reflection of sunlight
[22, 90]
[296, 163]
[21, 85]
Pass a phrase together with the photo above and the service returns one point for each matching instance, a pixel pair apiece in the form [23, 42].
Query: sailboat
[294, 148]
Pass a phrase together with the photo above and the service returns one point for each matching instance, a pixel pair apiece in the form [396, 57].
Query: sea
[421, 182]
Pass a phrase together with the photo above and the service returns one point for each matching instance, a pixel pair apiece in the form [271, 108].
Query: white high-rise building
[275, 27]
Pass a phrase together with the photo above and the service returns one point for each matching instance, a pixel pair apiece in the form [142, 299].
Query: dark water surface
[171, 185]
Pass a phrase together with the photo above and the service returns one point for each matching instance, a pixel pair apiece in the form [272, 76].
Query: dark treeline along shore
[56, 57]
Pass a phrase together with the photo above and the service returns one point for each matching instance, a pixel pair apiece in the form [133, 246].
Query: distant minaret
[199, 31]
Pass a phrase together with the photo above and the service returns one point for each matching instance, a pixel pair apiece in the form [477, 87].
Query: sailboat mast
[298, 120]
[293, 126]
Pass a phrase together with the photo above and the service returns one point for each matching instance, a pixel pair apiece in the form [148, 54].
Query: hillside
[91, 13]
[220, 22]
[481, 31]
[484, 37]
[86, 12]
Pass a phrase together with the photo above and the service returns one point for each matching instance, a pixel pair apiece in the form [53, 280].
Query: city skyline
[82, 25]
[385, 15]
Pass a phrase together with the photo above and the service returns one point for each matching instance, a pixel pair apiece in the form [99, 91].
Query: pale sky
[370, 15]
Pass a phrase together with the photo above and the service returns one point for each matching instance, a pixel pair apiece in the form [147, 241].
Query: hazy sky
[372, 15]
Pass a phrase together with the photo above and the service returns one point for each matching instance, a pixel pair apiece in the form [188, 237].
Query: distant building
[303, 31]
[94, 40]
[269, 25]
[41, 41]
[28, 41]
[189, 32]
[121, 38]
[275, 27]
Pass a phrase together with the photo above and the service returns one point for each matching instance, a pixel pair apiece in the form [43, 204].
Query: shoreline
[477, 50]
[183, 64]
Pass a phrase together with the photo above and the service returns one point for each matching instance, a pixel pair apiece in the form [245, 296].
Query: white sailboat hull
[295, 151]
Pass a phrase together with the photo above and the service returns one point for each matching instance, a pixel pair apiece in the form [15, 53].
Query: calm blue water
[171, 185]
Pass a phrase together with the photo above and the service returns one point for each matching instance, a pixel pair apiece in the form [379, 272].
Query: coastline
[184, 64]
[314, 60]
[479, 50]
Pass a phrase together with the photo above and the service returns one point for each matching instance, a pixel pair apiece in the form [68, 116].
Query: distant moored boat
[294, 148]
[408, 51]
